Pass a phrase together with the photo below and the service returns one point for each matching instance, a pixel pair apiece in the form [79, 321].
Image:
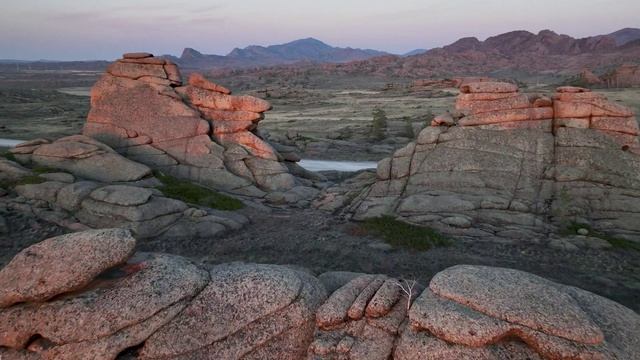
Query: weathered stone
[218, 101]
[10, 170]
[243, 307]
[122, 195]
[136, 55]
[488, 87]
[197, 80]
[46, 191]
[129, 295]
[59, 177]
[334, 310]
[70, 196]
[62, 264]
[519, 298]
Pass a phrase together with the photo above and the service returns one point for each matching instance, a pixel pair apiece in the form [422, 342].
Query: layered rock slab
[481, 311]
[242, 308]
[83, 157]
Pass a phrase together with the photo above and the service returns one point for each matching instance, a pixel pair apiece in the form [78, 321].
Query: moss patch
[26, 180]
[618, 243]
[38, 169]
[7, 155]
[401, 234]
[195, 194]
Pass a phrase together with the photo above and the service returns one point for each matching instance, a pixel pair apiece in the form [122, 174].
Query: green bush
[379, 124]
[195, 194]
[401, 234]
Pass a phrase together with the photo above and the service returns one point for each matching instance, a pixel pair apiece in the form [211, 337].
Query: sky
[92, 29]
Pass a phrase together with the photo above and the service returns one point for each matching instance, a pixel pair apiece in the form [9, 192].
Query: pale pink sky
[89, 29]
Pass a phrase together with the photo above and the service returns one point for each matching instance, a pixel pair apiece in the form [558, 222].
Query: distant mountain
[510, 54]
[626, 35]
[308, 50]
[415, 52]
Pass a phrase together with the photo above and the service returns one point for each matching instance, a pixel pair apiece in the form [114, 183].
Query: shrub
[401, 234]
[195, 194]
[379, 124]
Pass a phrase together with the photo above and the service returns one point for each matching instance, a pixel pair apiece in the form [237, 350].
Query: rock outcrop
[512, 166]
[196, 131]
[82, 156]
[156, 306]
[139, 206]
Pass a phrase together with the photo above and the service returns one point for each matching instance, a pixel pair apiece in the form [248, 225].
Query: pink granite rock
[62, 264]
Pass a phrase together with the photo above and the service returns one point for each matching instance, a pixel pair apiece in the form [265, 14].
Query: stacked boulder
[580, 108]
[82, 156]
[509, 167]
[197, 131]
[490, 105]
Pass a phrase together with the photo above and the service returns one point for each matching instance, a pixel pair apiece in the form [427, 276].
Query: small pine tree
[408, 128]
[379, 124]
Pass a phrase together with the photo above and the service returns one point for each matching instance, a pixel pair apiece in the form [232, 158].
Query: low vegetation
[618, 243]
[38, 169]
[7, 155]
[401, 234]
[26, 180]
[195, 194]
[379, 124]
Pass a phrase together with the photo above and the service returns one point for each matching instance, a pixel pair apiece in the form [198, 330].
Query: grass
[9, 156]
[401, 234]
[195, 194]
[38, 169]
[618, 243]
[25, 180]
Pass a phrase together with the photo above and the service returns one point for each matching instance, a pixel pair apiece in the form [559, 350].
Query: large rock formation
[196, 131]
[513, 166]
[158, 306]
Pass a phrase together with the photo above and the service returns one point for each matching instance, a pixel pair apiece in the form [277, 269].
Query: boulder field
[196, 130]
[505, 165]
[86, 295]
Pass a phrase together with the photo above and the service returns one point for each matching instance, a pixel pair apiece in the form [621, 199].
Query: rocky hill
[516, 52]
[308, 50]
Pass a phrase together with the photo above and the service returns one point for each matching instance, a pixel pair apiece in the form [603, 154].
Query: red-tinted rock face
[526, 162]
[185, 129]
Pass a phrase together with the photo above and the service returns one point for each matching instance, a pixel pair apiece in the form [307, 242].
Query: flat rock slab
[120, 298]
[519, 298]
[62, 264]
[122, 195]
